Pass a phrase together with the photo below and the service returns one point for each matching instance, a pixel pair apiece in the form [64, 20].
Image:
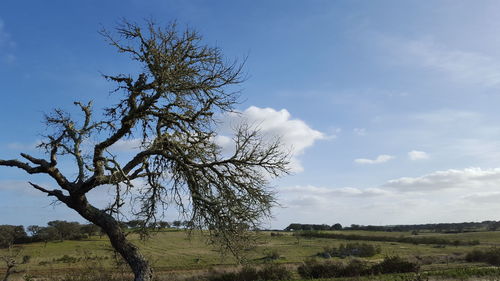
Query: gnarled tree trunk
[140, 267]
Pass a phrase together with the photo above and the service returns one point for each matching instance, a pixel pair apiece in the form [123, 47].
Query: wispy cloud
[359, 131]
[463, 66]
[447, 116]
[380, 159]
[343, 191]
[127, 145]
[6, 44]
[418, 155]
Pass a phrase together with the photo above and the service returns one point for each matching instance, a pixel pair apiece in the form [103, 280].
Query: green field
[176, 253]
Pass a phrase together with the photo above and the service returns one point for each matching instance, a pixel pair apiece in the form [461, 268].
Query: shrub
[272, 255]
[356, 268]
[313, 269]
[271, 272]
[26, 259]
[91, 275]
[67, 259]
[491, 256]
[275, 272]
[394, 264]
[352, 249]
[475, 255]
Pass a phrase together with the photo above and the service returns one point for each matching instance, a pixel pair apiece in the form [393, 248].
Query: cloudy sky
[390, 107]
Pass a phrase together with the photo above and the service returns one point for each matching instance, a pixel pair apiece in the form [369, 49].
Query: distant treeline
[64, 230]
[401, 239]
[307, 227]
[433, 227]
[55, 230]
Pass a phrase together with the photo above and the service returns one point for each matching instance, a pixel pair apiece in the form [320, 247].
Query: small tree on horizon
[170, 105]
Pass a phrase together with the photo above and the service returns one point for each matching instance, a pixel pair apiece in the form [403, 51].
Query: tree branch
[43, 167]
[57, 193]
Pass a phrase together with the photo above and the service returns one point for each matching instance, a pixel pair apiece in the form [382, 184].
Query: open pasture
[175, 251]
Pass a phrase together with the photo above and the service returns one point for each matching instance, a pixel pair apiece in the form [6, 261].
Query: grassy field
[174, 251]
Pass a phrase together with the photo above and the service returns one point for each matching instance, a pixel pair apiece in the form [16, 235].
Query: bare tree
[171, 106]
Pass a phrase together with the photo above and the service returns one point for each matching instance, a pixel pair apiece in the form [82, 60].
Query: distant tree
[494, 225]
[65, 230]
[47, 234]
[90, 229]
[187, 224]
[171, 105]
[6, 239]
[10, 234]
[123, 225]
[177, 224]
[163, 224]
[293, 227]
[336, 226]
[34, 229]
[135, 223]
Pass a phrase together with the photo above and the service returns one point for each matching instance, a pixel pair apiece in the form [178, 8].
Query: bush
[394, 264]
[351, 249]
[271, 272]
[275, 272]
[67, 259]
[26, 259]
[312, 269]
[91, 275]
[475, 255]
[272, 255]
[490, 256]
[356, 268]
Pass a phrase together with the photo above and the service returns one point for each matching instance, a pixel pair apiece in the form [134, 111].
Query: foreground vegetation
[284, 255]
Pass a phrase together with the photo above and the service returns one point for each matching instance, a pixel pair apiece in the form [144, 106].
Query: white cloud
[468, 178]
[468, 194]
[380, 159]
[418, 155]
[295, 134]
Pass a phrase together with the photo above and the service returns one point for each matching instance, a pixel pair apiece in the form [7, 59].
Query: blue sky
[391, 107]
